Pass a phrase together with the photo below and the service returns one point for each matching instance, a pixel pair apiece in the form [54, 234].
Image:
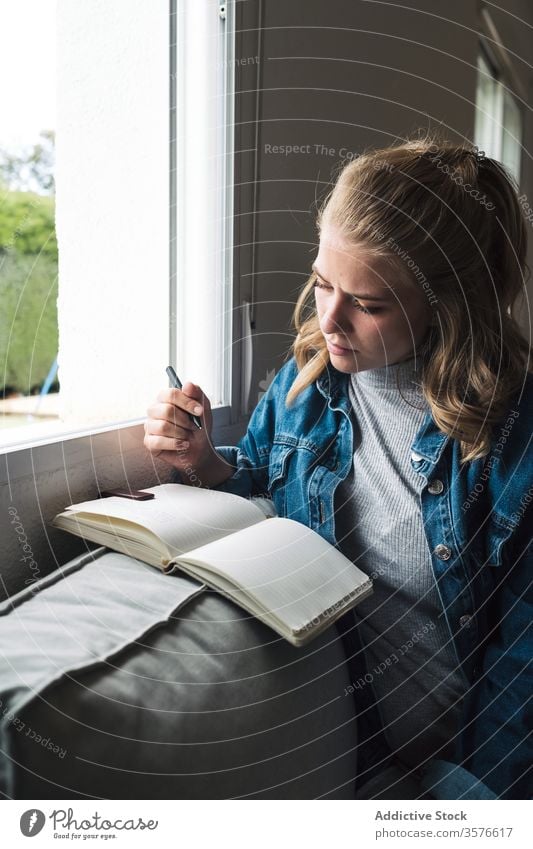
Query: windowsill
[43, 433]
[50, 432]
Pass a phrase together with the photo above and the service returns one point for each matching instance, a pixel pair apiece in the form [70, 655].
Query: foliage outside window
[28, 268]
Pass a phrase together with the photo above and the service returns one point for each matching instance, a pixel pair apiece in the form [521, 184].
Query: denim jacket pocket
[277, 474]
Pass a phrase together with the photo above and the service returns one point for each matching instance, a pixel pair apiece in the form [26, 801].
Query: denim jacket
[475, 520]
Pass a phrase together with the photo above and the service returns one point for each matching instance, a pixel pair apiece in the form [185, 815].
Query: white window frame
[202, 157]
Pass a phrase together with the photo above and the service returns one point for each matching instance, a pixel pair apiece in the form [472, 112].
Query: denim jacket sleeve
[494, 757]
[497, 744]
[251, 456]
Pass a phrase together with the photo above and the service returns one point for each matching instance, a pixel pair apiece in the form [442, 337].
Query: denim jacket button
[464, 621]
[436, 487]
[442, 552]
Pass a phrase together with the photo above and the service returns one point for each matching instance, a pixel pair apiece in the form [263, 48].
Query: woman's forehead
[355, 264]
[348, 265]
[341, 250]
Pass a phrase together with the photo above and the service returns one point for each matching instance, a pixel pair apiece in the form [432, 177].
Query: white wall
[112, 206]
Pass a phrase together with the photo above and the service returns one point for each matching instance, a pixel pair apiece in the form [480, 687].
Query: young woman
[400, 431]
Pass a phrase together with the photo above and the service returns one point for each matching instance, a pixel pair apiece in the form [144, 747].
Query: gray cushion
[140, 685]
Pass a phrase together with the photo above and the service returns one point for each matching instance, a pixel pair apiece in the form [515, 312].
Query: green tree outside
[27, 224]
[28, 267]
[28, 319]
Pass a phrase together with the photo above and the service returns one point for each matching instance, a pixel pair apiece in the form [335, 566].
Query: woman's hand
[170, 435]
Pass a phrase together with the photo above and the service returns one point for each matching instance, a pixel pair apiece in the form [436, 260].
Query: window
[143, 205]
[28, 247]
[498, 124]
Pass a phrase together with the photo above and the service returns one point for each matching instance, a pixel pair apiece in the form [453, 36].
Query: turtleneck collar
[407, 375]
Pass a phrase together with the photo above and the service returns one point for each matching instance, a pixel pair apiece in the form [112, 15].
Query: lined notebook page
[286, 566]
[184, 517]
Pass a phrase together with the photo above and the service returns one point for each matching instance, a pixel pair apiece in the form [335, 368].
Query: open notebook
[279, 570]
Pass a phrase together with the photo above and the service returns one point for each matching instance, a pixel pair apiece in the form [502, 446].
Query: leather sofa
[120, 682]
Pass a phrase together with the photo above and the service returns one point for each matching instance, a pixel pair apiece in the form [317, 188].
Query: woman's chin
[348, 362]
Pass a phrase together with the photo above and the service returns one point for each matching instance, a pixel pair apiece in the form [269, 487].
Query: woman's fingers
[177, 398]
[167, 427]
[195, 394]
[169, 413]
[169, 432]
[156, 444]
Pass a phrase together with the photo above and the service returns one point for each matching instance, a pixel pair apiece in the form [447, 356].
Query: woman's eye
[367, 310]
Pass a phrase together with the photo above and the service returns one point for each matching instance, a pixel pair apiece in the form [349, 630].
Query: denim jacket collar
[429, 442]
[333, 385]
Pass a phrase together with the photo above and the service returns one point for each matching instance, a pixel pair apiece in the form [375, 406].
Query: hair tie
[479, 155]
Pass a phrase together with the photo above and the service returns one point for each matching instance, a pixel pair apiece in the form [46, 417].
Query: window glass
[488, 121]
[28, 247]
[498, 122]
[512, 135]
[144, 275]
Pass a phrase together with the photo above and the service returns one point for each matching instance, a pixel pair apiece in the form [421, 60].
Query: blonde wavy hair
[454, 213]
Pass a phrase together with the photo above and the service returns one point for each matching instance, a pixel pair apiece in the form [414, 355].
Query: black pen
[176, 383]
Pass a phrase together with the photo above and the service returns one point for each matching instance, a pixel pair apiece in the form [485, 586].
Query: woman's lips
[336, 349]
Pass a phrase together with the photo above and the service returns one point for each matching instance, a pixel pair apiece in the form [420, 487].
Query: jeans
[438, 780]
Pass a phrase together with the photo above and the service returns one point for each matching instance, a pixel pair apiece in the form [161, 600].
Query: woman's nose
[334, 319]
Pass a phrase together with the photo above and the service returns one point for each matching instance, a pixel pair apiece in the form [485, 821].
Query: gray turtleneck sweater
[409, 655]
